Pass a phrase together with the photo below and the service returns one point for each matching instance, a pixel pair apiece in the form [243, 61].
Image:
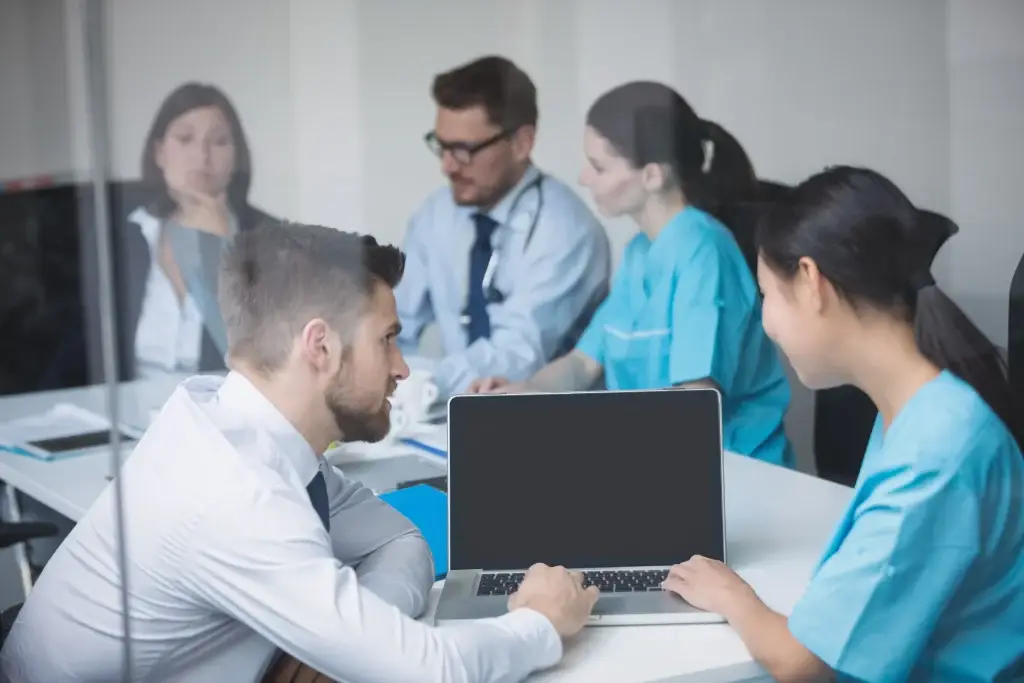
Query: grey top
[197, 254]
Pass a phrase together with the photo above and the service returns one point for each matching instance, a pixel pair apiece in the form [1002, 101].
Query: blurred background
[334, 98]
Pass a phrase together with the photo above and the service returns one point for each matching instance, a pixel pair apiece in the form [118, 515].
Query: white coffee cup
[399, 421]
[416, 394]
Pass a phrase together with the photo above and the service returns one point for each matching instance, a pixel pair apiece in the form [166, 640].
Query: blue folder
[427, 508]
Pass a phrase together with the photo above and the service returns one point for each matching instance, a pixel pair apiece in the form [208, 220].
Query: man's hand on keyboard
[557, 594]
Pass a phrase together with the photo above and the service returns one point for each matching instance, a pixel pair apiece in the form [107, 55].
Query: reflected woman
[196, 171]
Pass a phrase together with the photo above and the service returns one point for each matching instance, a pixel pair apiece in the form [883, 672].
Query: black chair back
[1015, 336]
[742, 218]
[7, 618]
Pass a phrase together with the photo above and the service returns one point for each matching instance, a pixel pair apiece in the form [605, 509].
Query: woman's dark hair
[876, 249]
[650, 123]
[182, 100]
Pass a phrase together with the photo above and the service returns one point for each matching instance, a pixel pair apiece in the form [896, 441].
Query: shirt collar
[238, 393]
[502, 211]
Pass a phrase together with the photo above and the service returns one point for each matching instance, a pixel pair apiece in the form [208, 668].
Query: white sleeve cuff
[535, 629]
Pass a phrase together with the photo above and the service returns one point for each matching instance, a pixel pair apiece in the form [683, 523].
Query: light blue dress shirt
[552, 282]
[924, 578]
[685, 308]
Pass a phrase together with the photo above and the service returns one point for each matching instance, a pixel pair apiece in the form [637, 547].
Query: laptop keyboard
[622, 581]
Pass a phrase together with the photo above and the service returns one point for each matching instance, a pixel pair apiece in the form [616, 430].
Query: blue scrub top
[684, 308]
[924, 578]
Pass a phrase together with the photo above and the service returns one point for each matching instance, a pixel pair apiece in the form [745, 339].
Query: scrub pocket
[636, 360]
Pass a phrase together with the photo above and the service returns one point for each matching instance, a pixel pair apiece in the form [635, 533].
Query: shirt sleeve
[412, 295]
[388, 553]
[874, 603]
[704, 345]
[270, 566]
[557, 280]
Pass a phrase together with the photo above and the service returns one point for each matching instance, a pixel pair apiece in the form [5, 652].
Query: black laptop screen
[603, 479]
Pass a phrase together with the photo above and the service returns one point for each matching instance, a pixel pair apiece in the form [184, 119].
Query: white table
[70, 486]
[777, 521]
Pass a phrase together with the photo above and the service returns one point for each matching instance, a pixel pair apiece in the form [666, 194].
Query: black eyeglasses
[462, 152]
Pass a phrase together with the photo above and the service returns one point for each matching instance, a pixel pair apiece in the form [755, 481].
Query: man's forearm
[401, 573]
[571, 372]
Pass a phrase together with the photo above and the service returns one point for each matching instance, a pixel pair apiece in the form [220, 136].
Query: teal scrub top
[684, 308]
[924, 578]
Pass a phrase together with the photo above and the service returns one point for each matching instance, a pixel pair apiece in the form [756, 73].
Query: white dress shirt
[169, 331]
[552, 279]
[229, 562]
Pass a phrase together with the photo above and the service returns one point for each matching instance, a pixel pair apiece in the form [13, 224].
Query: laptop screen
[601, 479]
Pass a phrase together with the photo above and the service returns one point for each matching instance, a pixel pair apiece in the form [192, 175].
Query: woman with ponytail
[683, 310]
[924, 577]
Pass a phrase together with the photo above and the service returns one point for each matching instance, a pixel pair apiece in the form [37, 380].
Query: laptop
[620, 485]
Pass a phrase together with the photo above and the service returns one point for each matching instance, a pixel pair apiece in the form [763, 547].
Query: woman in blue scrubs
[924, 577]
[683, 310]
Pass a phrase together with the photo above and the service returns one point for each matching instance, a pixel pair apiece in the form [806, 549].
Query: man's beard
[489, 197]
[355, 422]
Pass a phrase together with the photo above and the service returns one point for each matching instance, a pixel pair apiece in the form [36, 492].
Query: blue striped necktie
[479, 257]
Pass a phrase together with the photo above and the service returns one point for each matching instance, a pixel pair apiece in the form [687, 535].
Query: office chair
[12, 533]
[1015, 334]
[844, 416]
[742, 218]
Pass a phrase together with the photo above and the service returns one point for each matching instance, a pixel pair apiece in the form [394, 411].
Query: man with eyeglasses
[508, 261]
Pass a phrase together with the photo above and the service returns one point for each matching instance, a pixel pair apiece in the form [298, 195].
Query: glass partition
[138, 138]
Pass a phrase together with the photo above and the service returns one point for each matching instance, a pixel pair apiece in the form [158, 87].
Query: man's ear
[316, 343]
[522, 142]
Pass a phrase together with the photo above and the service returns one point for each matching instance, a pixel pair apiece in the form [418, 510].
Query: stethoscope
[492, 294]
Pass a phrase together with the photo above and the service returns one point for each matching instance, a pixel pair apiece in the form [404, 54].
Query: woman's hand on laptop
[493, 385]
[711, 586]
[559, 595]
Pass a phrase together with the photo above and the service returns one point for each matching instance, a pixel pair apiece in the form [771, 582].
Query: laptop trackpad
[652, 602]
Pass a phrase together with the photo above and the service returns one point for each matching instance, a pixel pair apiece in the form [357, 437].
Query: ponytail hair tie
[709, 155]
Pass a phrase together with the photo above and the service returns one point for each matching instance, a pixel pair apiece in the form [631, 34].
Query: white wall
[34, 130]
[334, 95]
[986, 73]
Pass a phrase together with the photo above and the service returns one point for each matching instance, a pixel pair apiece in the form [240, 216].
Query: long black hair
[649, 122]
[180, 101]
[876, 249]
